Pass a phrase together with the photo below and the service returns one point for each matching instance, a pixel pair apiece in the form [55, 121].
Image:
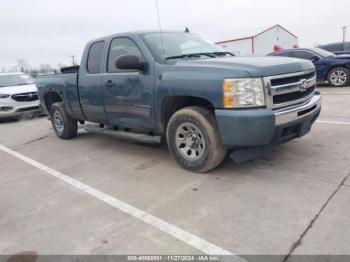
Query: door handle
[109, 83]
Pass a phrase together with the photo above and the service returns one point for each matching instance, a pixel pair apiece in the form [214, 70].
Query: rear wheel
[193, 139]
[65, 127]
[339, 77]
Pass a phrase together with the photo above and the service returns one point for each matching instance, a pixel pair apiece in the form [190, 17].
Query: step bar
[147, 139]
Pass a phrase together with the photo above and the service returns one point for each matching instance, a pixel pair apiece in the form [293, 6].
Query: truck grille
[25, 97]
[286, 90]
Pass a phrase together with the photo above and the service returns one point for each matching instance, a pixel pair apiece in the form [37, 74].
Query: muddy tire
[193, 139]
[339, 77]
[64, 126]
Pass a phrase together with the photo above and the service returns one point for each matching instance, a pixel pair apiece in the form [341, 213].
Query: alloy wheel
[338, 77]
[58, 121]
[190, 141]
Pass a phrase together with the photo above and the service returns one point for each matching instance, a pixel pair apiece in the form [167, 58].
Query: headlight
[243, 92]
[4, 96]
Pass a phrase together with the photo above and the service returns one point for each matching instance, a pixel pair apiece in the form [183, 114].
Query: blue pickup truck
[147, 86]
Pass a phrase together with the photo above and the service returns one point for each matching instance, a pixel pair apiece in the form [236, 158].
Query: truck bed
[66, 85]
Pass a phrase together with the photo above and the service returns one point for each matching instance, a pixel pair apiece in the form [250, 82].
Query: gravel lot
[294, 200]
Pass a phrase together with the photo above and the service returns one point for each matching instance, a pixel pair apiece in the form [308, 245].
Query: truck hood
[254, 66]
[12, 90]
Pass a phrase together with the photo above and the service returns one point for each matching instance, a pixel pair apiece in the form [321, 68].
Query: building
[272, 39]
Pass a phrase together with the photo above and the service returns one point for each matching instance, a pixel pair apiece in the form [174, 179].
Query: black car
[337, 48]
[329, 67]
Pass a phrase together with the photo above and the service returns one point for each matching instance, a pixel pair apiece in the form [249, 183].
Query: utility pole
[344, 33]
[73, 60]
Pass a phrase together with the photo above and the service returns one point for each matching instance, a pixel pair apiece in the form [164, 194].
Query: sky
[49, 31]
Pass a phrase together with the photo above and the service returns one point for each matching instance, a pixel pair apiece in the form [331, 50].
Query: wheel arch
[50, 98]
[342, 66]
[335, 66]
[171, 104]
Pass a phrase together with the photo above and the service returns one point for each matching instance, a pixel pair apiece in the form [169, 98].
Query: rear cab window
[94, 57]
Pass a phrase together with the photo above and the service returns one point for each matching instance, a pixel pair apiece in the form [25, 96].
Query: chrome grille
[25, 97]
[289, 89]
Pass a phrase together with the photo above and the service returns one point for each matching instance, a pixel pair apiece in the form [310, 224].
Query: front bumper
[245, 128]
[11, 108]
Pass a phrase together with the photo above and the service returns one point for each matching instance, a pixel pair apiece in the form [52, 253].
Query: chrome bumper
[290, 114]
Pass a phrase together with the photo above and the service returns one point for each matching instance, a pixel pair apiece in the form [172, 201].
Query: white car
[18, 95]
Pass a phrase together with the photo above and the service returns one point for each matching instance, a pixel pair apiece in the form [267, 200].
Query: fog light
[6, 108]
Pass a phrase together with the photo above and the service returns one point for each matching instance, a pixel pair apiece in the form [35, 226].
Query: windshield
[15, 80]
[180, 45]
[322, 52]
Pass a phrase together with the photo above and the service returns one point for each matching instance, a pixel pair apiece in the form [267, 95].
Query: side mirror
[130, 62]
[314, 58]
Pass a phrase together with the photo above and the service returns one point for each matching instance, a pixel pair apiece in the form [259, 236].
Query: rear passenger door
[89, 83]
[128, 94]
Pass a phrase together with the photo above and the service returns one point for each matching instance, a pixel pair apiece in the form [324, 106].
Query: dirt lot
[99, 195]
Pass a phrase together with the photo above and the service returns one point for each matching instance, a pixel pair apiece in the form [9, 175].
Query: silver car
[18, 95]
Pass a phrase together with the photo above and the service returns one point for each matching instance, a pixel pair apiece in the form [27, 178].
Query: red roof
[249, 37]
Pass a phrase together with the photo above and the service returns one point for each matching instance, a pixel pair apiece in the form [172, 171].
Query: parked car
[329, 67]
[18, 95]
[149, 85]
[337, 48]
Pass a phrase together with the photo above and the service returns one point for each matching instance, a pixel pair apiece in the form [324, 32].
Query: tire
[64, 126]
[199, 149]
[339, 77]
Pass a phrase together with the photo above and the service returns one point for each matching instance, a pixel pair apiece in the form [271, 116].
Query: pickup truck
[205, 102]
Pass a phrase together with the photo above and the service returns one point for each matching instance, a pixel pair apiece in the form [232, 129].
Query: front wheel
[339, 77]
[193, 139]
[65, 127]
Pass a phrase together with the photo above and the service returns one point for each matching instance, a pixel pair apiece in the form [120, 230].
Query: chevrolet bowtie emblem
[304, 85]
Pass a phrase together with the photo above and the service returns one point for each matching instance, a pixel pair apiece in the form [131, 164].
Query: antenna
[160, 29]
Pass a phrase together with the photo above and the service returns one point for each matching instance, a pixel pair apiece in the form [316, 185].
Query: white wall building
[272, 39]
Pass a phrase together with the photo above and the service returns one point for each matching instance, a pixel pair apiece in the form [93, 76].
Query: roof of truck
[139, 32]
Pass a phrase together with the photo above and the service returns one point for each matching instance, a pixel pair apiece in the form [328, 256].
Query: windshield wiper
[223, 53]
[210, 54]
[189, 56]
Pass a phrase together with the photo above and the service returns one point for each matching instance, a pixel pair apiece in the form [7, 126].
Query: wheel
[193, 139]
[65, 127]
[339, 77]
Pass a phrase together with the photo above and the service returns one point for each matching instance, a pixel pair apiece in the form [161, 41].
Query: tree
[45, 68]
[22, 65]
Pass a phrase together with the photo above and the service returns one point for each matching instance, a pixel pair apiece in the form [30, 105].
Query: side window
[94, 57]
[286, 54]
[347, 47]
[334, 47]
[303, 54]
[121, 46]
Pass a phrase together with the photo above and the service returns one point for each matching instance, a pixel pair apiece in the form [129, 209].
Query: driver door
[127, 93]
